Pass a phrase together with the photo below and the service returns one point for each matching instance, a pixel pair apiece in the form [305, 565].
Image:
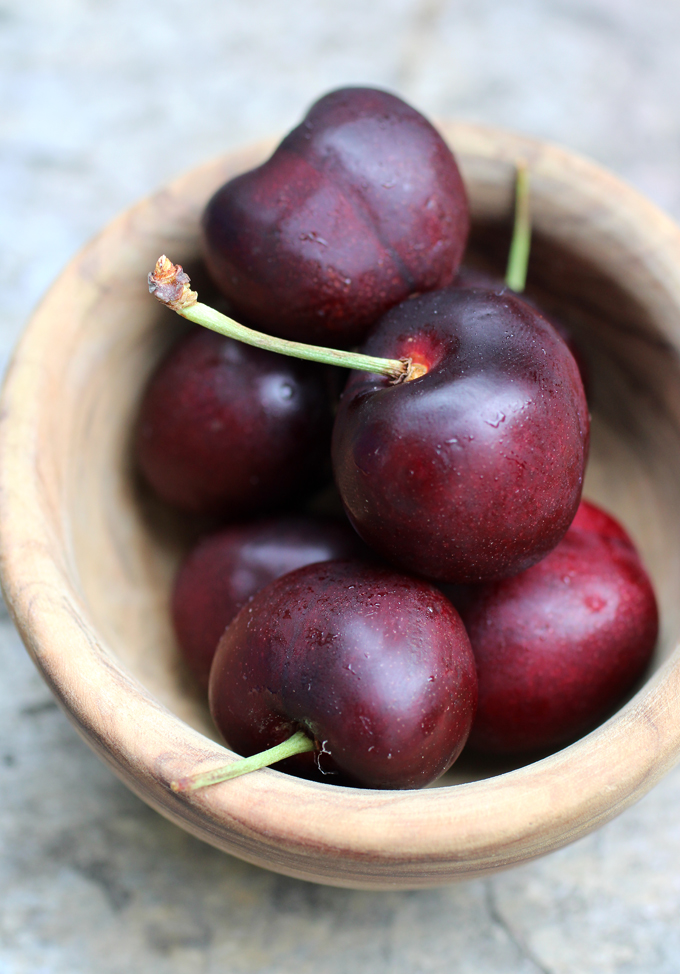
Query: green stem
[518, 259]
[201, 314]
[299, 743]
[171, 285]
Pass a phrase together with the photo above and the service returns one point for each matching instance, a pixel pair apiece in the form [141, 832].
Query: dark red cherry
[227, 428]
[558, 646]
[374, 666]
[361, 205]
[474, 470]
[227, 568]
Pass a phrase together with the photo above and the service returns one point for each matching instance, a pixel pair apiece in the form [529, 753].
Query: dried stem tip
[169, 283]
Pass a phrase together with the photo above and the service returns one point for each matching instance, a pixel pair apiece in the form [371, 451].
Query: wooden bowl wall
[87, 557]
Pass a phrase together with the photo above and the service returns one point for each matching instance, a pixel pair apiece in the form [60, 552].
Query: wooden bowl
[87, 558]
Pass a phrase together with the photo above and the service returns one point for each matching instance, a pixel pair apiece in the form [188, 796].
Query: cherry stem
[170, 284]
[299, 743]
[518, 258]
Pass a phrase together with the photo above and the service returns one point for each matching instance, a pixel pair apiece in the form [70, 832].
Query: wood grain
[87, 556]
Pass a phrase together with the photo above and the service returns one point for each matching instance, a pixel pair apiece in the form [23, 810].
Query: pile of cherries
[468, 592]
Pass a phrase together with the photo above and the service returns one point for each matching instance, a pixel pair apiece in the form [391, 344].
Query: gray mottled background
[102, 101]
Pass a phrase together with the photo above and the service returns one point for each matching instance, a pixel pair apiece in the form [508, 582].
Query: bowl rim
[340, 836]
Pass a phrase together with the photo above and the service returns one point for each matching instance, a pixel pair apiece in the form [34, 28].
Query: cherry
[224, 570]
[231, 429]
[375, 667]
[560, 645]
[361, 205]
[474, 470]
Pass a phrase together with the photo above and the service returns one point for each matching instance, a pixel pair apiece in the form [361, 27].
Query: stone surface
[101, 101]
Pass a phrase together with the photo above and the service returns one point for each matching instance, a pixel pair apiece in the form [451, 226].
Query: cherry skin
[474, 470]
[592, 519]
[361, 205]
[224, 570]
[374, 666]
[468, 277]
[558, 646]
[229, 429]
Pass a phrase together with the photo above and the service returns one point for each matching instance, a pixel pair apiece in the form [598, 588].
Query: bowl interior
[126, 545]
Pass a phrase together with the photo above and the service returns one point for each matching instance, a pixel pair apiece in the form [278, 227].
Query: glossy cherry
[558, 646]
[474, 470]
[230, 429]
[224, 570]
[361, 205]
[374, 666]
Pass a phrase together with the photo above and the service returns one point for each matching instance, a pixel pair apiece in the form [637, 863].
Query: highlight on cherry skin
[470, 276]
